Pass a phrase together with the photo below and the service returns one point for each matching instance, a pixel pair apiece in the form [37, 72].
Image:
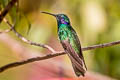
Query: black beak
[50, 14]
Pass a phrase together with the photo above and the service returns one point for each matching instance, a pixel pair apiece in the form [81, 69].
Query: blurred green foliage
[96, 21]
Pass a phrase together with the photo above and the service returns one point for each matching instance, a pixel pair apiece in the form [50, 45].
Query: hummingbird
[71, 43]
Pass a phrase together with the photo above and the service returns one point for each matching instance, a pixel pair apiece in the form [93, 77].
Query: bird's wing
[77, 42]
[77, 62]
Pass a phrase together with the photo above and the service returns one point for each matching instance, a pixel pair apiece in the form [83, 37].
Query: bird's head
[61, 18]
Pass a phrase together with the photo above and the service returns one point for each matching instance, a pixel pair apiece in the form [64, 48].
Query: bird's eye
[62, 21]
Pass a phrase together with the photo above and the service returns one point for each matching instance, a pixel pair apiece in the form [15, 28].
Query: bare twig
[5, 31]
[101, 45]
[15, 64]
[7, 8]
[26, 40]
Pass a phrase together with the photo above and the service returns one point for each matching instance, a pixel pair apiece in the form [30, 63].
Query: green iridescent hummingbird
[70, 43]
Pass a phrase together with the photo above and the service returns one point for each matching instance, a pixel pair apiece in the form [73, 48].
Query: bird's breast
[63, 34]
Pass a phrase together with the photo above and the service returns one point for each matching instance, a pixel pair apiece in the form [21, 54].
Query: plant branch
[5, 31]
[26, 40]
[15, 64]
[101, 45]
[6, 10]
